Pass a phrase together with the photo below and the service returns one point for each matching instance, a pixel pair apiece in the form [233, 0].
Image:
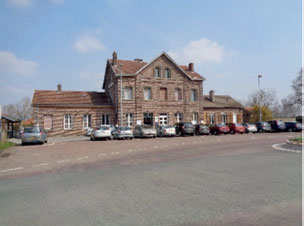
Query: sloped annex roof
[129, 67]
[70, 98]
[221, 101]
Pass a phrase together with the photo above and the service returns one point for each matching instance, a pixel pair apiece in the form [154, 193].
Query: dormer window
[157, 72]
[167, 73]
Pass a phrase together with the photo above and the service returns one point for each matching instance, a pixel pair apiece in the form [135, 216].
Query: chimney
[138, 60]
[191, 67]
[59, 87]
[114, 58]
[211, 95]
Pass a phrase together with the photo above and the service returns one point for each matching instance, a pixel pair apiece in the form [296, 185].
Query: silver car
[33, 135]
[102, 132]
[88, 131]
[144, 131]
[122, 132]
[165, 131]
[250, 128]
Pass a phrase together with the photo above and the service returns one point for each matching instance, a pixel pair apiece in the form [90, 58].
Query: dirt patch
[5, 155]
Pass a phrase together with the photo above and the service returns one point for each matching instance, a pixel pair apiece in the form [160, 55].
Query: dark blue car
[277, 126]
[293, 126]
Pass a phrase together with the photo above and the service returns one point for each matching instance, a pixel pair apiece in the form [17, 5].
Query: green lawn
[296, 139]
[6, 144]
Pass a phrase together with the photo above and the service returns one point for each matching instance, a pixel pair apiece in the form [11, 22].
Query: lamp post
[260, 114]
[121, 115]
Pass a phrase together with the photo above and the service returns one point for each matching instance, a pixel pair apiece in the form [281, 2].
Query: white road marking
[41, 164]
[130, 150]
[84, 157]
[115, 153]
[277, 146]
[62, 161]
[12, 169]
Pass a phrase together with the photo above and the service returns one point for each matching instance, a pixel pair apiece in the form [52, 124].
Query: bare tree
[297, 89]
[266, 97]
[21, 110]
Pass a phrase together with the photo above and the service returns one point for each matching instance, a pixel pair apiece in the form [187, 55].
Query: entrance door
[163, 119]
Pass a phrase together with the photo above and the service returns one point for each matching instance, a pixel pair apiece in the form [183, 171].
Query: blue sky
[46, 42]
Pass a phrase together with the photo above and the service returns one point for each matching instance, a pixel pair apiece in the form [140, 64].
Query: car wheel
[45, 141]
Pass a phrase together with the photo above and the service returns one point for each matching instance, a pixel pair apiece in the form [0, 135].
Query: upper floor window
[178, 94]
[193, 96]
[167, 73]
[163, 94]
[127, 93]
[147, 93]
[157, 72]
[67, 121]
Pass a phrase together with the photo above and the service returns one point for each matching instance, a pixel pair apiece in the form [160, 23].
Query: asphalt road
[223, 180]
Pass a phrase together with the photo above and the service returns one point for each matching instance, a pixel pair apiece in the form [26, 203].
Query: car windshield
[169, 127]
[238, 124]
[264, 123]
[188, 125]
[104, 128]
[280, 123]
[31, 130]
[220, 125]
[123, 128]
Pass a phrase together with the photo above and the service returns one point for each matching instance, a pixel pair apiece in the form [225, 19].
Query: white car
[102, 132]
[165, 131]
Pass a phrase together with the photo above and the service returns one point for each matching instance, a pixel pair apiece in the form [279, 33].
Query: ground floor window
[224, 117]
[105, 119]
[178, 117]
[48, 122]
[87, 121]
[129, 119]
[148, 118]
[163, 119]
[211, 119]
[234, 118]
[67, 121]
[194, 117]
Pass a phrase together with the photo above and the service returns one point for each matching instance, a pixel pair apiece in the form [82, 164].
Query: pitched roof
[130, 67]
[221, 101]
[70, 98]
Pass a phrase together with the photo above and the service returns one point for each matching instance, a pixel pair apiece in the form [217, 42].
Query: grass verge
[5, 145]
[297, 140]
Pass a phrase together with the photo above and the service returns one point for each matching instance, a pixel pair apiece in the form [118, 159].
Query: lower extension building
[159, 92]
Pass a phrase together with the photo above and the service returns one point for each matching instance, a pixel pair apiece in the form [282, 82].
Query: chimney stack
[59, 87]
[211, 95]
[114, 58]
[191, 67]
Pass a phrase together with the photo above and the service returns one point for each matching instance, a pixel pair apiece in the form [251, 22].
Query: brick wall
[218, 111]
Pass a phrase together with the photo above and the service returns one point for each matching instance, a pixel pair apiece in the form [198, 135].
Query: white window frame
[67, 122]
[105, 119]
[167, 73]
[234, 117]
[157, 72]
[194, 95]
[212, 118]
[127, 93]
[223, 117]
[87, 121]
[129, 119]
[163, 119]
[149, 97]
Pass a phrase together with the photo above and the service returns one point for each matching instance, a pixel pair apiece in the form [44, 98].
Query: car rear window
[238, 124]
[169, 127]
[31, 130]
[124, 128]
[220, 125]
[104, 128]
[280, 123]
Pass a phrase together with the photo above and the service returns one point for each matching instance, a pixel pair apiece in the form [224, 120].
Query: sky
[46, 42]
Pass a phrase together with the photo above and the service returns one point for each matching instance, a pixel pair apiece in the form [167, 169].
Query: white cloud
[89, 42]
[9, 63]
[199, 51]
[20, 3]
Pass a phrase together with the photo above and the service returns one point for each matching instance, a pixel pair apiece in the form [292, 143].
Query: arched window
[157, 72]
[167, 73]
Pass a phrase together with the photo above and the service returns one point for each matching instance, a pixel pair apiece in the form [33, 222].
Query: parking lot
[56, 155]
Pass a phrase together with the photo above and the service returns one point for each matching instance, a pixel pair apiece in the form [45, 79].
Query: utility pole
[260, 114]
[121, 115]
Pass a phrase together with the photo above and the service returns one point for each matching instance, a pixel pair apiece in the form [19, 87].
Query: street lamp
[121, 114]
[260, 114]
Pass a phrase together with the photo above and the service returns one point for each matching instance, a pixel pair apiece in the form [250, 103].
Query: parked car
[236, 128]
[220, 128]
[88, 131]
[184, 128]
[202, 129]
[277, 126]
[263, 127]
[250, 128]
[167, 130]
[293, 126]
[101, 132]
[144, 131]
[122, 132]
[33, 135]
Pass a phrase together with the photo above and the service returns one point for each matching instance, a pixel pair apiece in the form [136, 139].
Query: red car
[220, 128]
[236, 128]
